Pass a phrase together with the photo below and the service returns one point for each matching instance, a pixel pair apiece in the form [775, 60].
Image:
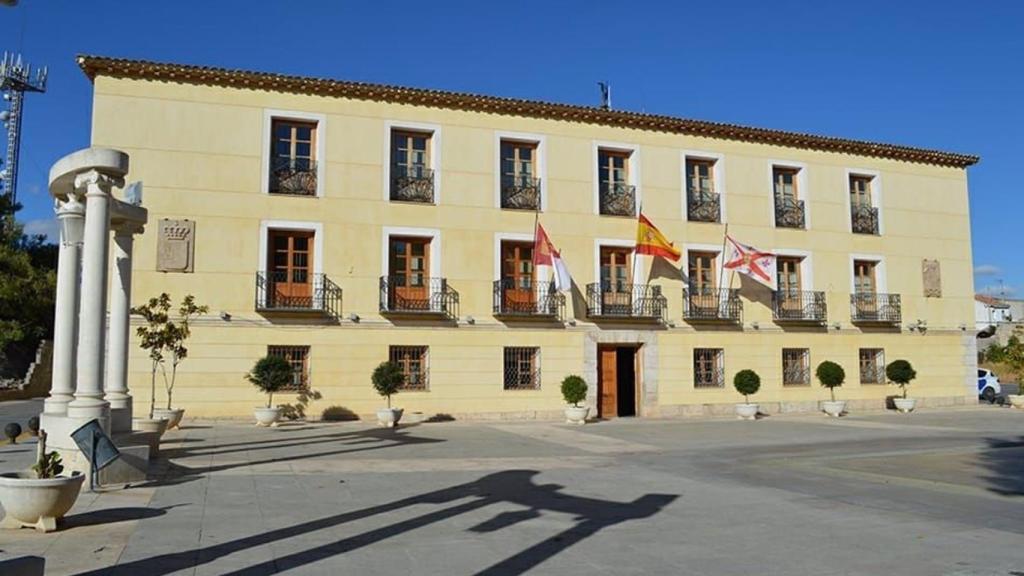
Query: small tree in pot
[388, 379]
[831, 376]
[747, 382]
[900, 372]
[574, 391]
[270, 374]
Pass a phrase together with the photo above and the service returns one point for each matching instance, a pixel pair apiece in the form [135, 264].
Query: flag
[544, 254]
[650, 241]
[760, 266]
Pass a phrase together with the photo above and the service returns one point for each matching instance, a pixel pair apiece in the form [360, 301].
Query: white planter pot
[576, 414]
[173, 416]
[389, 417]
[267, 416]
[904, 405]
[746, 411]
[38, 503]
[157, 425]
[1016, 400]
[834, 408]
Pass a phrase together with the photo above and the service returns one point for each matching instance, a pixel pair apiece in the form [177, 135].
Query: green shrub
[270, 374]
[338, 414]
[574, 390]
[831, 376]
[900, 372]
[387, 379]
[48, 466]
[747, 382]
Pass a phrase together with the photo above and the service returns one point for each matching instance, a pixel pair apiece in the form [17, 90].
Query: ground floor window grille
[872, 366]
[522, 368]
[298, 357]
[413, 362]
[796, 367]
[708, 368]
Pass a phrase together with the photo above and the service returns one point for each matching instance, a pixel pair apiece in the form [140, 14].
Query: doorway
[617, 380]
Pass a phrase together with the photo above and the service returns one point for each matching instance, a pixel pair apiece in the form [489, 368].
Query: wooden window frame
[409, 134]
[797, 262]
[857, 265]
[861, 195]
[518, 356]
[293, 140]
[298, 357]
[691, 164]
[608, 154]
[695, 273]
[777, 172]
[405, 356]
[877, 357]
[517, 146]
[608, 257]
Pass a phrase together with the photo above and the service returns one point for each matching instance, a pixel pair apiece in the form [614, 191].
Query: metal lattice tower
[16, 78]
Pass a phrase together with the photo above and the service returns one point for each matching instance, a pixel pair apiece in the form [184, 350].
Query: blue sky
[937, 73]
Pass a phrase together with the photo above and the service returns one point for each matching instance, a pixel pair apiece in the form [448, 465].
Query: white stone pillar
[92, 328]
[70, 213]
[120, 313]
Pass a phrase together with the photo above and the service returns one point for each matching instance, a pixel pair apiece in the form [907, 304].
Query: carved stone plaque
[932, 278]
[175, 245]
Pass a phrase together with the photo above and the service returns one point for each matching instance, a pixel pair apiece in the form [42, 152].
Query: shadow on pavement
[24, 566]
[1005, 461]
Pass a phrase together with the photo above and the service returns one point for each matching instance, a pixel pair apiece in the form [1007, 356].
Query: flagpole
[637, 263]
[721, 267]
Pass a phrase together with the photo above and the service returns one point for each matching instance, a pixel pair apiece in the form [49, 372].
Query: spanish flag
[650, 241]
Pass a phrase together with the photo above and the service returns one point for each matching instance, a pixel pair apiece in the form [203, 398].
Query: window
[520, 187]
[409, 273]
[412, 179]
[864, 277]
[298, 357]
[413, 362]
[860, 191]
[864, 216]
[517, 277]
[702, 202]
[872, 366]
[616, 280]
[796, 367]
[617, 197]
[788, 273]
[293, 157]
[708, 368]
[522, 368]
[701, 268]
[785, 184]
[289, 281]
[789, 208]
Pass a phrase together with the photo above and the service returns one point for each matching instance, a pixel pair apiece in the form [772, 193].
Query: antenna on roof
[606, 95]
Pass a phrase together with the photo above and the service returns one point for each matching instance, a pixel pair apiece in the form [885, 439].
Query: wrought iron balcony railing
[714, 304]
[789, 213]
[875, 307]
[864, 219]
[276, 292]
[293, 176]
[412, 183]
[541, 301]
[617, 199]
[799, 306]
[625, 301]
[431, 297]
[702, 206]
[520, 192]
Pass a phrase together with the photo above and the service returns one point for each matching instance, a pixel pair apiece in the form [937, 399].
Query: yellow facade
[201, 150]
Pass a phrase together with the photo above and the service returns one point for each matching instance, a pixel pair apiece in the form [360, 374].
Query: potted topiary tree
[37, 498]
[387, 380]
[900, 372]
[574, 391]
[270, 374]
[831, 376]
[747, 382]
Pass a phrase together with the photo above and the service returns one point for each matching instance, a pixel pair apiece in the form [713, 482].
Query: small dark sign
[95, 444]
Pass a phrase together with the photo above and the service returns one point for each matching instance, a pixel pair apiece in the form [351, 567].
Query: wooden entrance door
[788, 274]
[517, 277]
[703, 296]
[607, 382]
[864, 287]
[408, 268]
[616, 288]
[290, 266]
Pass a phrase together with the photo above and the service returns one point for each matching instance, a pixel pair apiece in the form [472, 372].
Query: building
[343, 224]
[990, 311]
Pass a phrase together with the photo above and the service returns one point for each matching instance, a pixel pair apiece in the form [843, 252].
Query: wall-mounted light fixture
[470, 320]
[225, 316]
[353, 317]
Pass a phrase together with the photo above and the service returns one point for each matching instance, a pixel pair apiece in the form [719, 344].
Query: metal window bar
[522, 368]
[789, 213]
[271, 294]
[293, 176]
[703, 206]
[799, 305]
[540, 301]
[708, 368]
[864, 219]
[876, 307]
[796, 367]
[413, 361]
[617, 199]
[298, 357]
[625, 301]
[412, 183]
[520, 192]
[433, 297]
[872, 366]
[722, 304]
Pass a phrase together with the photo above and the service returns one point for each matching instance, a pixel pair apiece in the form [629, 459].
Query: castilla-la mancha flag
[545, 254]
[745, 259]
[650, 241]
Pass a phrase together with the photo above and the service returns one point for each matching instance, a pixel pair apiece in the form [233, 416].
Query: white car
[988, 385]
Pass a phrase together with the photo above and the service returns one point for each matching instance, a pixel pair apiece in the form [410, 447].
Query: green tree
[747, 382]
[1010, 355]
[164, 337]
[270, 374]
[574, 390]
[387, 379]
[900, 372]
[831, 376]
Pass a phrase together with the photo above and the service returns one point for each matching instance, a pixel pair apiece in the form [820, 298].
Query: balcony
[617, 199]
[702, 206]
[864, 219]
[789, 213]
[520, 192]
[799, 306]
[627, 302]
[412, 183]
[875, 308]
[432, 298]
[542, 302]
[292, 177]
[712, 305]
[316, 296]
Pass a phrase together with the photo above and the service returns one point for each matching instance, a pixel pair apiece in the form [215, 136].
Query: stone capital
[127, 229]
[96, 182]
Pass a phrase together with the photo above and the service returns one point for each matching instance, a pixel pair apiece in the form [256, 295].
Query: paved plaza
[927, 493]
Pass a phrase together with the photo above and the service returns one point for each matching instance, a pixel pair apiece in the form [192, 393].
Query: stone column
[120, 311]
[92, 328]
[70, 213]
